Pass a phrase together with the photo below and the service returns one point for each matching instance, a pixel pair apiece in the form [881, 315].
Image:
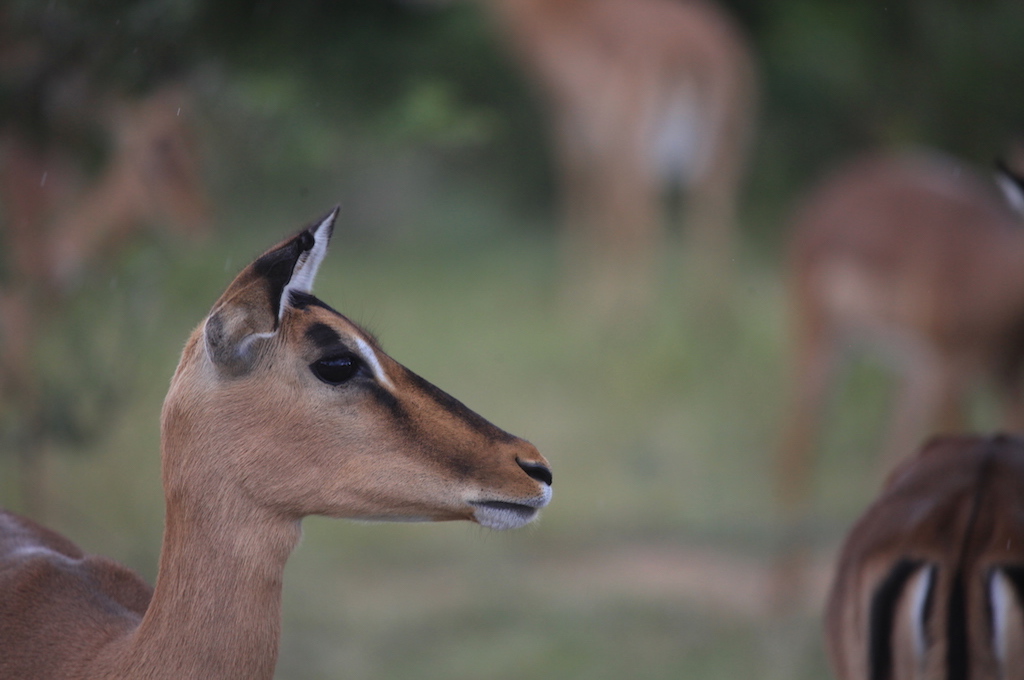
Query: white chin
[500, 515]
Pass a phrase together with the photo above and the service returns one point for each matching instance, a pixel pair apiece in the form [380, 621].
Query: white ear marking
[243, 347]
[219, 347]
[308, 262]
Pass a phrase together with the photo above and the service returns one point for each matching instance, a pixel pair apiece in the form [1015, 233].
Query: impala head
[288, 404]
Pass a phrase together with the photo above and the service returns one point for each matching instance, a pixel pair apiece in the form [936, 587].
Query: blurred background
[150, 149]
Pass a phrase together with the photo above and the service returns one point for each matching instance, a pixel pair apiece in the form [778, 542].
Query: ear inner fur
[308, 262]
[240, 317]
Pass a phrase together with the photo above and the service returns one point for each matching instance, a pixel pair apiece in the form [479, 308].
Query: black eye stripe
[323, 336]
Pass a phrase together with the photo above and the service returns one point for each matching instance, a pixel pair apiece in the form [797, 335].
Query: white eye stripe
[370, 357]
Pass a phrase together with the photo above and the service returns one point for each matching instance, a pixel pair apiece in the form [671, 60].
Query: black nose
[537, 471]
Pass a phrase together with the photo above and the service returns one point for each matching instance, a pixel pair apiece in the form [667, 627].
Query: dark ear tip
[307, 239]
[327, 220]
[331, 218]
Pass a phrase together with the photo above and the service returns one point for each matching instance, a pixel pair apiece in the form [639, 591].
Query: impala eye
[336, 370]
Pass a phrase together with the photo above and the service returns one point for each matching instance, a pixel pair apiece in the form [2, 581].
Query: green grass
[661, 437]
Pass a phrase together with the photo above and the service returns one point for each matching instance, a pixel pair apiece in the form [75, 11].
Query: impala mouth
[507, 515]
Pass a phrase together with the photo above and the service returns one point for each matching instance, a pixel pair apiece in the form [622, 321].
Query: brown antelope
[638, 91]
[280, 408]
[919, 256]
[930, 581]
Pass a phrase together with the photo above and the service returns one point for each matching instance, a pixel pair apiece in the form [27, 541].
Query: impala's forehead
[322, 324]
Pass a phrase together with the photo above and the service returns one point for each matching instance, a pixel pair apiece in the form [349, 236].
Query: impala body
[921, 259]
[280, 408]
[930, 581]
[641, 95]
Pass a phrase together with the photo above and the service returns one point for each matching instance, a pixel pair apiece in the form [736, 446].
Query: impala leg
[930, 401]
[631, 230]
[714, 196]
[814, 365]
[579, 205]
[710, 220]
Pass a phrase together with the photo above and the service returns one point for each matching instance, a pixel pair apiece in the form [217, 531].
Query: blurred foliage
[839, 77]
[58, 59]
[836, 78]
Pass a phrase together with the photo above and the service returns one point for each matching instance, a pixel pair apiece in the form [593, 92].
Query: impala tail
[930, 582]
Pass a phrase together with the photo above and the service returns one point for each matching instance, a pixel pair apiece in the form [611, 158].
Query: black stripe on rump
[957, 652]
[881, 618]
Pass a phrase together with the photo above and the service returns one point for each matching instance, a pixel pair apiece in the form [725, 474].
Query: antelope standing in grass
[280, 408]
[930, 581]
[640, 93]
[922, 258]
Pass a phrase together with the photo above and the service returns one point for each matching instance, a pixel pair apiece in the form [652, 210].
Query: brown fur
[955, 506]
[918, 256]
[252, 442]
[610, 71]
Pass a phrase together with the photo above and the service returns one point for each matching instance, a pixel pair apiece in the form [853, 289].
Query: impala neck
[216, 609]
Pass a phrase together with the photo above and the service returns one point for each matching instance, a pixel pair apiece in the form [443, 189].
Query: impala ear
[250, 310]
[311, 254]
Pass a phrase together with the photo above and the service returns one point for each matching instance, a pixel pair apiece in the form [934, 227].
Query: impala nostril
[538, 471]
